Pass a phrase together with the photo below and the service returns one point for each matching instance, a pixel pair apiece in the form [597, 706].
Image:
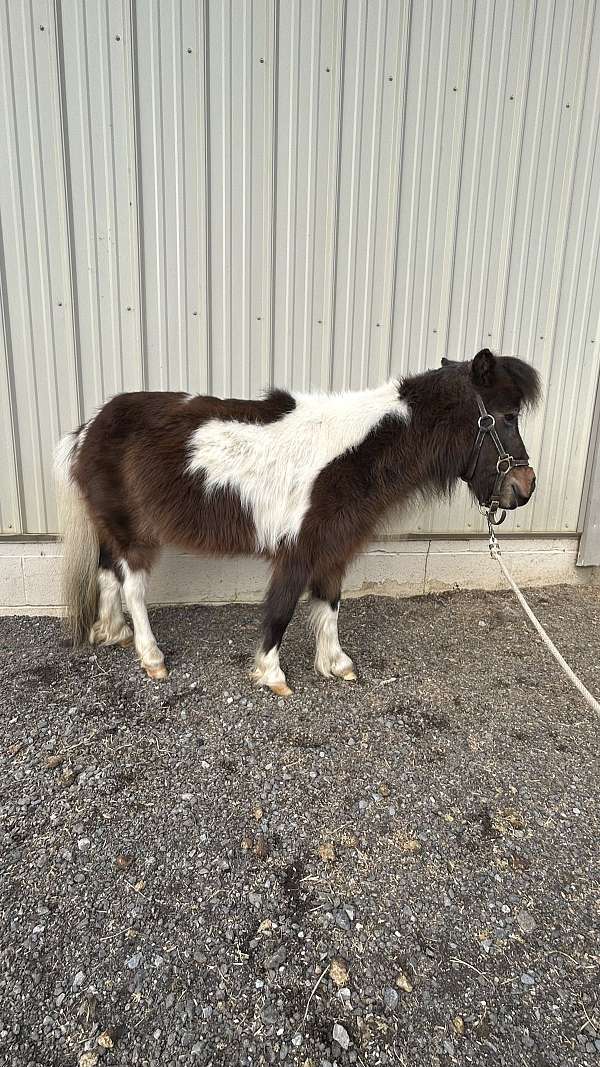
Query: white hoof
[267, 672]
[340, 667]
[102, 633]
[157, 674]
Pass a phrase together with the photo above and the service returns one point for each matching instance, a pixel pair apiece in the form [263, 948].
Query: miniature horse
[301, 479]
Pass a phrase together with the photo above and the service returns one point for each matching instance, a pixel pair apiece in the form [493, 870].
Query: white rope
[587, 696]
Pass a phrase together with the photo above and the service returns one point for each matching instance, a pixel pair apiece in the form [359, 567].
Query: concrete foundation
[30, 572]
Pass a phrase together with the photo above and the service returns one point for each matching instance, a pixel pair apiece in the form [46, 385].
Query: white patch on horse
[273, 467]
[330, 658]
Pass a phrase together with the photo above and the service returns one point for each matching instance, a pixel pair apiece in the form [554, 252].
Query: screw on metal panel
[261, 60]
[541, 338]
[390, 79]
[328, 69]
[454, 89]
[567, 105]
[194, 313]
[42, 28]
[60, 303]
[129, 307]
[189, 51]
[117, 38]
[435, 331]
[511, 98]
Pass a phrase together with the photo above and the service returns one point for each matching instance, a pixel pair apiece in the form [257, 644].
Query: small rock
[338, 970]
[261, 848]
[88, 1059]
[258, 814]
[410, 844]
[54, 761]
[107, 1039]
[134, 961]
[341, 1035]
[390, 998]
[527, 979]
[342, 919]
[327, 851]
[526, 922]
[78, 981]
[404, 983]
[274, 962]
[247, 842]
[458, 1025]
[83, 844]
[123, 862]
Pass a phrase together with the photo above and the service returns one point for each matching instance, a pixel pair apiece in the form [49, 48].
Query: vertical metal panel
[308, 93]
[37, 295]
[171, 57]
[96, 55]
[218, 195]
[241, 64]
[10, 518]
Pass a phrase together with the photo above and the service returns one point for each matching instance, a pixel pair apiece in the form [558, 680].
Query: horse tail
[80, 545]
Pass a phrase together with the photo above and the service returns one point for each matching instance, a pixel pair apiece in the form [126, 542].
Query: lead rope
[496, 554]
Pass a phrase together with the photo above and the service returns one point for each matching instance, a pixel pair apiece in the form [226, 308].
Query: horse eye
[511, 417]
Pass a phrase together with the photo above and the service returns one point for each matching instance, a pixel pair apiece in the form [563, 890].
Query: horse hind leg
[134, 587]
[110, 627]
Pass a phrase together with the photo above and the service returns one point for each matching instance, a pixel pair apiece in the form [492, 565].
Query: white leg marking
[110, 627]
[134, 587]
[268, 672]
[330, 657]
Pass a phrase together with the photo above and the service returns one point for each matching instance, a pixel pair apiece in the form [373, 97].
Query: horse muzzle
[517, 488]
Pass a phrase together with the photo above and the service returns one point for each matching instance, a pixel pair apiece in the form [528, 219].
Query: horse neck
[440, 432]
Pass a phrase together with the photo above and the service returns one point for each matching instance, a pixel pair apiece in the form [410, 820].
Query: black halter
[487, 425]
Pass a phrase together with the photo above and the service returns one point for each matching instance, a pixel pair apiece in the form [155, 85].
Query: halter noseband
[486, 424]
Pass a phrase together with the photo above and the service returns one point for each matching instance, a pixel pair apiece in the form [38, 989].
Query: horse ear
[445, 361]
[484, 368]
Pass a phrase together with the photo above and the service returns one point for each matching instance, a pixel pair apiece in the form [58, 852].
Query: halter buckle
[508, 460]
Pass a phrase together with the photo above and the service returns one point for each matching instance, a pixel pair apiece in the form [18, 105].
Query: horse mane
[524, 377]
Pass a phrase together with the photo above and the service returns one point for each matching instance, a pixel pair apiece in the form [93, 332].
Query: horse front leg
[330, 658]
[287, 584]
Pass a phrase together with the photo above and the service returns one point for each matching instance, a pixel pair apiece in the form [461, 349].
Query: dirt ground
[403, 870]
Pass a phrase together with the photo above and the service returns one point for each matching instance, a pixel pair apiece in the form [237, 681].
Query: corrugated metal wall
[220, 195]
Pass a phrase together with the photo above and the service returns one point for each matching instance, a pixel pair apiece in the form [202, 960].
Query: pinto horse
[301, 479]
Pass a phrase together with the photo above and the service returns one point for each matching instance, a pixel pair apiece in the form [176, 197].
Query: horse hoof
[348, 676]
[156, 673]
[281, 690]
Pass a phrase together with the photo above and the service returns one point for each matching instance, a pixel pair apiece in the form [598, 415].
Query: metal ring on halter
[486, 422]
[490, 511]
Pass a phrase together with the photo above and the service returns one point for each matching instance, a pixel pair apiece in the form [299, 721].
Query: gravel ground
[404, 870]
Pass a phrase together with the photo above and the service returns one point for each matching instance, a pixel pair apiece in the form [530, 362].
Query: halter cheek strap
[486, 424]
